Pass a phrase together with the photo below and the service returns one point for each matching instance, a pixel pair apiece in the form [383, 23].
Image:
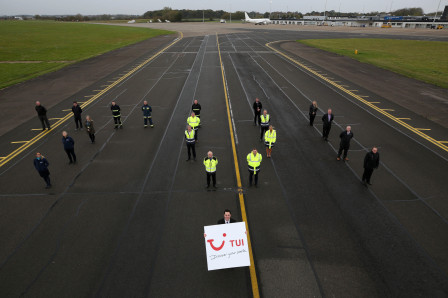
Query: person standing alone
[196, 108]
[254, 160]
[345, 137]
[41, 164]
[117, 115]
[189, 137]
[147, 114]
[210, 163]
[313, 112]
[90, 129]
[69, 147]
[42, 114]
[76, 109]
[371, 162]
[327, 119]
[257, 106]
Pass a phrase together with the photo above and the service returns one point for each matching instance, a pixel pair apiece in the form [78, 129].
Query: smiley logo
[219, 247]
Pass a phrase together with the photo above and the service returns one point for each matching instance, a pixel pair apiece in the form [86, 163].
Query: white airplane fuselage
[256, 21]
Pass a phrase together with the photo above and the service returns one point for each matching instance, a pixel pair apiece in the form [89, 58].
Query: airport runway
[127, 220]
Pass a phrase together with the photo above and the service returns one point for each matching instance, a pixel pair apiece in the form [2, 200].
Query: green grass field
[422, 60]
[46, 46]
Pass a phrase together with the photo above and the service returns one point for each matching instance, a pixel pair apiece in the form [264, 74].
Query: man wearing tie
[227, 218]
[327, 119]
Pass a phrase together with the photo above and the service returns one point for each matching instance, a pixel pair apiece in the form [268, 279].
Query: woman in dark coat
[90, 129]
[41, 164]
[313, 111]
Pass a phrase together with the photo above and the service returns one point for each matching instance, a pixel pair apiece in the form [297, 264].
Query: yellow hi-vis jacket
[270, 138]
[189, 136]
[254, 162]
[210, 164]
[194, 122]
[264, 120]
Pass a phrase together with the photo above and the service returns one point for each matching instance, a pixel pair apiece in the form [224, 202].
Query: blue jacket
[68, 142]
[41, 164]
[146, 110]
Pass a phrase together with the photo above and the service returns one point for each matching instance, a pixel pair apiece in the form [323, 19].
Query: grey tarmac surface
[127, 220]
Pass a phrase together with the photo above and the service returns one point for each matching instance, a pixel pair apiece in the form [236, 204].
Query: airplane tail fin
[246, 15]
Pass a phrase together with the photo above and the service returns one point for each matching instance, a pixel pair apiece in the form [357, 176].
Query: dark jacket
[257, 105]
[222, 221]
[313, 110]
[196, 109]
[77, 111]
[41, 166]
[371, 160]
[325, 119]
[68, 142]
[345, 138]
[115, 110]
[41, 111]
[146, 110]
[89, 127]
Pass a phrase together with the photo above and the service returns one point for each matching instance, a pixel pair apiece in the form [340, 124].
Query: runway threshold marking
[362, 100]
[25, 146]
[253, 274]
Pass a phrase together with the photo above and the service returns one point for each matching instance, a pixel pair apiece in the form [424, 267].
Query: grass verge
[426, 61]
[47, 46]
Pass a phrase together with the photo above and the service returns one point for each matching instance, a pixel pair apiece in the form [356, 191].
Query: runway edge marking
[22, 148]
[253, 274]
[359, 98]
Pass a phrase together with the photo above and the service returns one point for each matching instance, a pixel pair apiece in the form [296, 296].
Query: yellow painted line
[388, 110]
[36, 128]
[404, 118]
[374, 102]
[22, 148]
[66, 110]
[359, 98]
[423, 128]
[444, 142]
[19, 142]
[253, 274]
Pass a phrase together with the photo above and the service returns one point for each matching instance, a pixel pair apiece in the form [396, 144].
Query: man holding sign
[226, 246]
[227, 218]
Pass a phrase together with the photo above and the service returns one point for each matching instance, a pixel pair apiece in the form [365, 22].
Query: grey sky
[138, 7]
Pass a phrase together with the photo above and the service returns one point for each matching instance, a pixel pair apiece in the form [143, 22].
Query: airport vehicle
[386, 25]
[131, 22]
[222, 21]
[256, 21]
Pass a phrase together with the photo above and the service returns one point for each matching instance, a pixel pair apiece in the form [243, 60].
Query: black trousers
[47, 179]
[191, 147]
[71, 154]
[44, 120]
[213, 176]
[78, 120]
[145, 120]
[92, 137]
[117, 121]
[257, 117]
[251, 173]
[326, 131]
[367, 174]
[343, 148]
[195, 133]
[263, 130]
[312, 119]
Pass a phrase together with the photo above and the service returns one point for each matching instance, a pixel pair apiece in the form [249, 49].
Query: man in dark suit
[371, 162]
[227, 218]
[327, 119]
[345, 137]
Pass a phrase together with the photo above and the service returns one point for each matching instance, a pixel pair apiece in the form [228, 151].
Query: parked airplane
[257, 21]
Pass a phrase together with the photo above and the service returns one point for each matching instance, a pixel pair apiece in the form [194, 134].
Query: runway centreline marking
[362, 100]
[25, 146]
[253, 274]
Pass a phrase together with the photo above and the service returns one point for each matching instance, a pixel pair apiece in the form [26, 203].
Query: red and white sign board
[226, 246]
